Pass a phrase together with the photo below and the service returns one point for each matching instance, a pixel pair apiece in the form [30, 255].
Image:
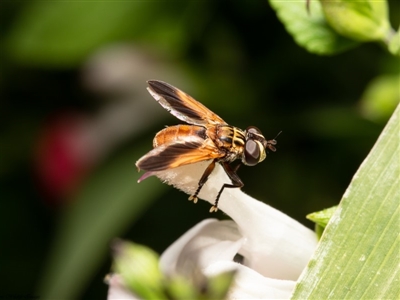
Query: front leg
[236, 183]
[202, 181]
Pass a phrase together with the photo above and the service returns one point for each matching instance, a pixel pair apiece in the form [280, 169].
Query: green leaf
[394, 43]
[358, 255]
[107, 204]
[321, 219]
[310, 30]
[381, 97]
[362, 20]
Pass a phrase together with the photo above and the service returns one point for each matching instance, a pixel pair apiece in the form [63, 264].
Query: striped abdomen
[179, 133]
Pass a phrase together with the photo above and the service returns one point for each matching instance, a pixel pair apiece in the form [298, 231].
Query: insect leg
[236, 183]
[202, 181]
[236, 168]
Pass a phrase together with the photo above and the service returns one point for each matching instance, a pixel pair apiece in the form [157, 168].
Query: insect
[205, 137]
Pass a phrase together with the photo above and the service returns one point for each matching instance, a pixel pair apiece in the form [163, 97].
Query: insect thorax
[231, 139]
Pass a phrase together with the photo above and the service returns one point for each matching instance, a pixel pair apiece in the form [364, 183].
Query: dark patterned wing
[181, 105]
[177, 154]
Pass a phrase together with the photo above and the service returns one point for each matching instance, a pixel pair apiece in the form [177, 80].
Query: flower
[211, 246]
[275, 248]
[117, 288]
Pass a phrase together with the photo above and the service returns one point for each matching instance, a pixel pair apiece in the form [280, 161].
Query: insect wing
[177, 154]
[181, 105]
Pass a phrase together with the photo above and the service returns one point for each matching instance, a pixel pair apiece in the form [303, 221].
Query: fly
[205, 137]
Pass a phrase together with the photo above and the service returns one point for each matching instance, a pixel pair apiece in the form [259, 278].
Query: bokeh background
[76, 116]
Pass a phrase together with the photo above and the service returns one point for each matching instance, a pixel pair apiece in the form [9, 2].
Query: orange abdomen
[179, 133]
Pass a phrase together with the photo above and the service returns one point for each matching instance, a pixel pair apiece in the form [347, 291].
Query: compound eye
[254, 152]
[253, 129]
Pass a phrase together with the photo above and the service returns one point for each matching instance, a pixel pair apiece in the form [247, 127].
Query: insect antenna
[270, 144]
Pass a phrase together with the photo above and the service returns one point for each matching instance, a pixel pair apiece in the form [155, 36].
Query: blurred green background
[76, 116]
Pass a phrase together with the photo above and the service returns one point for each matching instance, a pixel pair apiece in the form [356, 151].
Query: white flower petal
[186, 178]
[249, 284]
[207, 242]
[221, 251]
[117, 291]
[276, 245]
[169, 257]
